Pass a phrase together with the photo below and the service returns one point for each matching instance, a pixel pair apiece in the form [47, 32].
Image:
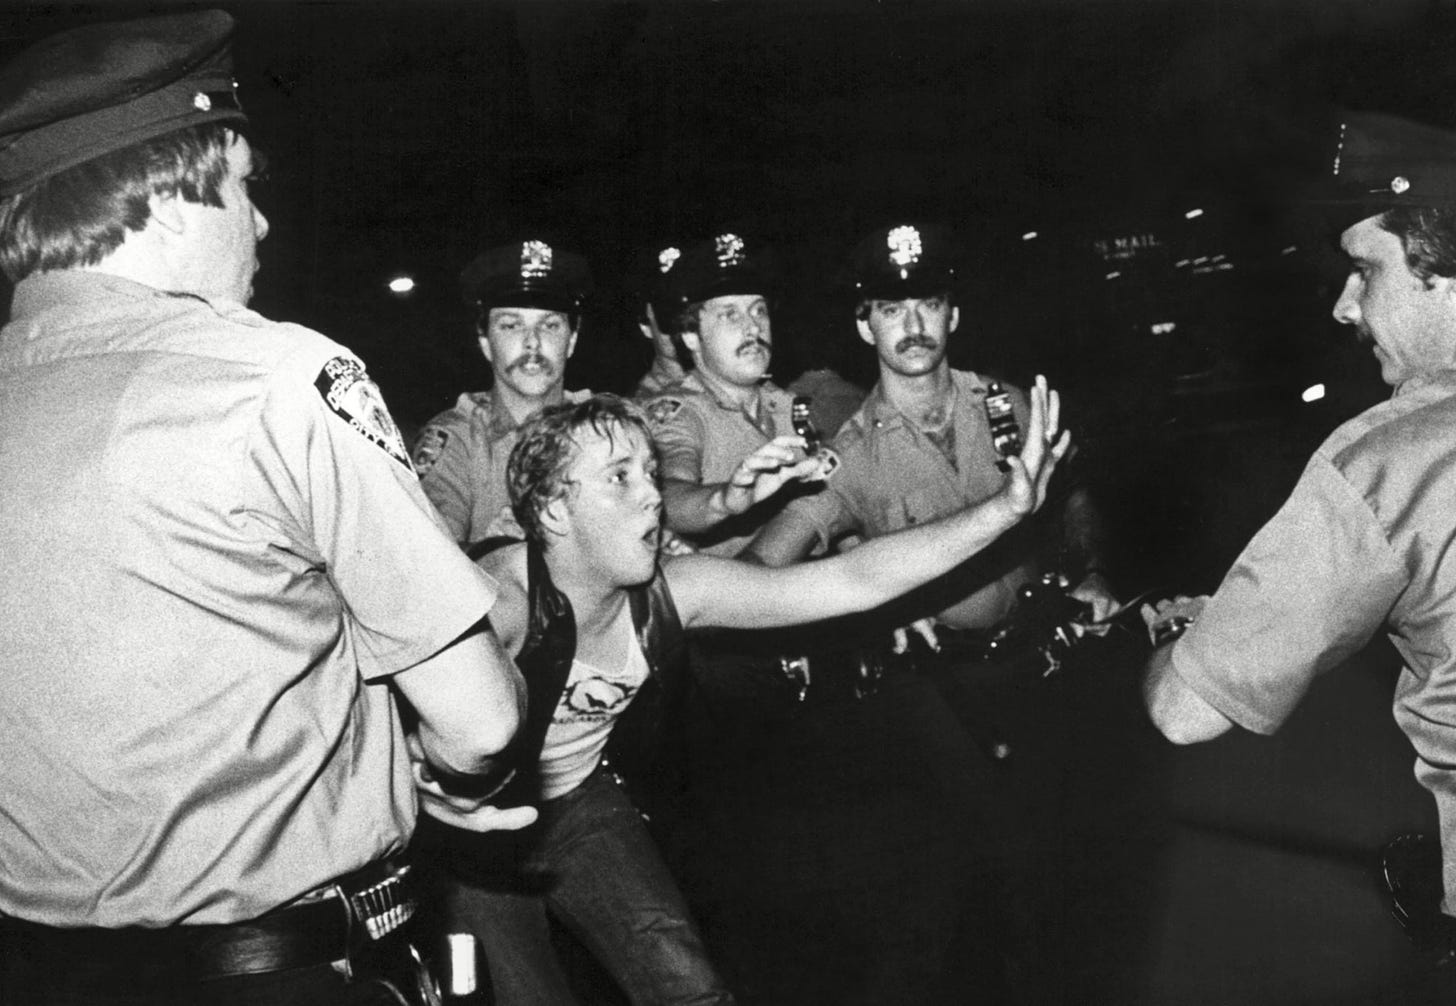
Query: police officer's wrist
[473, 786]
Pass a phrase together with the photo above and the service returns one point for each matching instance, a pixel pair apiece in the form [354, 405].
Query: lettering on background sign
[1122, 248]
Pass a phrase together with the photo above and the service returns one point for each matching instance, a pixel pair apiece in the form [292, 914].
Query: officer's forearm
[692, 508]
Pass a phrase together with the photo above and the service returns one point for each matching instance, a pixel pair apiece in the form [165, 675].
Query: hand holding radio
[1045, 444]
[767, 470]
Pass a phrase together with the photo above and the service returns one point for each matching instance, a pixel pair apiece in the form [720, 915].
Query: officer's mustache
[914, 342]
[755, 343]
[531, 359]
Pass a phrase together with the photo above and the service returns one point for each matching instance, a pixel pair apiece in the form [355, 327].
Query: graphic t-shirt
[590, 704]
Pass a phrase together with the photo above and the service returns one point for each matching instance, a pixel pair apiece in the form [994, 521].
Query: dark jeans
[590, 864]
[34, 975]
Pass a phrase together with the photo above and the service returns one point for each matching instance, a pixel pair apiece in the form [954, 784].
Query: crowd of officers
[282, 687]
[740, 479]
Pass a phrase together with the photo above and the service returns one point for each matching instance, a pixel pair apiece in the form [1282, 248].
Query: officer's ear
[692, 340]
[168, 212]
[955, 319]
[863, 326]
[485, 348]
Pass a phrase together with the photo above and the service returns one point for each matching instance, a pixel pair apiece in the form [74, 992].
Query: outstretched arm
[740, 595]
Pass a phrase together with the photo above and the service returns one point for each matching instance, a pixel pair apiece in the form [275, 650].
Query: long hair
[79, 216]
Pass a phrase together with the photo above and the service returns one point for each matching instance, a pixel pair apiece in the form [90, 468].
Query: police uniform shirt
[658, 380]
[702, 437]
[1365, 539]
[461, 456]
[215, 551]
[891, 476]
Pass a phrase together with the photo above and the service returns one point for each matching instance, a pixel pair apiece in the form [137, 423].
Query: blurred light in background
[1313, 393]
[1193, 214]
[401, 285]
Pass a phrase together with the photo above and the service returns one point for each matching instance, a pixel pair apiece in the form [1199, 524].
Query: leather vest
[545, 662]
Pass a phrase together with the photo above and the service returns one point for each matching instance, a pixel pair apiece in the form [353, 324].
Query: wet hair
[536, 474]
[1428, 235]
[79, 216]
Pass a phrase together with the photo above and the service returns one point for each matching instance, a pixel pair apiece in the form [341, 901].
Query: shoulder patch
[354, 398]
[429, 447]
[663, 409]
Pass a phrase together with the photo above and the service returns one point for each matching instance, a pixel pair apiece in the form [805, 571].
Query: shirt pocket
[908, 509]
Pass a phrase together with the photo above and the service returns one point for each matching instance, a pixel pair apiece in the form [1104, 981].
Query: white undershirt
[590, 704]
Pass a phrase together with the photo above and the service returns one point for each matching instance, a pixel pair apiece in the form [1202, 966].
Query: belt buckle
[382, 906]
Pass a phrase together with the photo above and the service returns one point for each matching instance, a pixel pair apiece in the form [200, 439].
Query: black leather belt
[362, 907]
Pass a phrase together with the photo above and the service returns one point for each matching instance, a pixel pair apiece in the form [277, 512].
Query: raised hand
[1046, 443]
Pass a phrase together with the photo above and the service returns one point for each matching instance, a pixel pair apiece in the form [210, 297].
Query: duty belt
[326, 926]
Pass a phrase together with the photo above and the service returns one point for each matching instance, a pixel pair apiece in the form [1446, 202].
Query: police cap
[724, 264]
[89, 91]
[653, 276]
[905, 260]
[1381, 162]
[527, 274]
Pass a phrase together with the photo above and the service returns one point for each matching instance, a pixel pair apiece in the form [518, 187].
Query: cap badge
[1399, 185]
[730, 250]
[535, 259]
[905, 247]
[201, 102]
[667, 258]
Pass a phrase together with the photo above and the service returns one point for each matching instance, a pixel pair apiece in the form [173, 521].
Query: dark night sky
[409, 136]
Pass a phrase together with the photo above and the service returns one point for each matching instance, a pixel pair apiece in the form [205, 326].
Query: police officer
[1364, 540]
[655, 311]
[527, 297]
[217, 569]
[920, 445]
[724, 431]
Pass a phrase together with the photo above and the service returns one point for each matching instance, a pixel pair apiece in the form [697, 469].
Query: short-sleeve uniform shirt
[1364, 540]
[891, 476]
[213, 552]
[461, 456]
[701, 437]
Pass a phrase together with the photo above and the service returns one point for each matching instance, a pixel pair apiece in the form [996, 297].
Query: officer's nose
[1347, 307]
[914, 323]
